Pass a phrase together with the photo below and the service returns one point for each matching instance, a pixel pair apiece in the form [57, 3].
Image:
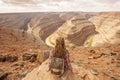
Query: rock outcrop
[8, 58]
[29, 57]
[108, 26]
[43, 55]
[41, 73]
[3, 75]
[75, 31]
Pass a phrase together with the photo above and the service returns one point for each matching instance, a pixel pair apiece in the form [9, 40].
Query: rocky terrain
[23, 47]
[40, 73]
[92, 63]
[75, 31]
[45, 25]
[18, 53]
[108, 26]
[40, 25]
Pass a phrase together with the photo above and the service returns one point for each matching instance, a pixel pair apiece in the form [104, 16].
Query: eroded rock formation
[108, 26]
[43, 26]
[75, 31]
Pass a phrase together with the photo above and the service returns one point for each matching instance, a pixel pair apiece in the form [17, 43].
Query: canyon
[75, 31]
[93, 40]
[107, 24]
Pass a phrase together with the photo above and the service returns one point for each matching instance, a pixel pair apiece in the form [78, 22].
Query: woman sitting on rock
[59, 58]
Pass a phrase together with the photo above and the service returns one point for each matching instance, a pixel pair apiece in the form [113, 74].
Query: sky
[13, 6]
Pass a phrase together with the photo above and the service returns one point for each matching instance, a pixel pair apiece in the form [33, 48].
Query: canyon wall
[40, 26]
[108, 26]
[43, 25]
[75, 31]
[15, 20]
[11, 37]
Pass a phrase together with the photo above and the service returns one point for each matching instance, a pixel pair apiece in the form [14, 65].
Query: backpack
[57, 66]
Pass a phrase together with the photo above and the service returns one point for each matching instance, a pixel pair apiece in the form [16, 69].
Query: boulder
[3, 75]
[12, 76]
[20, 64]
[29, 56]
[22, 75]
[43, 55]
[8, 58]
[11, 58]
[2, 58]
[91, 76]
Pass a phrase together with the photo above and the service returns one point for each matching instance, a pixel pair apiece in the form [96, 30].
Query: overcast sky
[9, 6]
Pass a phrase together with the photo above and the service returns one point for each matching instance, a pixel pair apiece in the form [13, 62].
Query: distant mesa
[14, 20]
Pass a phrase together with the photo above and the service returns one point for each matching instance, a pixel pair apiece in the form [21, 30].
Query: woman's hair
[59, 50]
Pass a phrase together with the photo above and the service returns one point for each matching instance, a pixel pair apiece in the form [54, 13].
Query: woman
[60, 51]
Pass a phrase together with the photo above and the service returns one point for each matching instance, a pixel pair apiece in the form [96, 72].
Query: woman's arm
[49, 60]
[68, 61]
[50, 56]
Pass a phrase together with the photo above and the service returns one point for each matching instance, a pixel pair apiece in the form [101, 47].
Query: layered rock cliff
[44, 25]
[108, 26]
[40, 25]
[75, 31]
